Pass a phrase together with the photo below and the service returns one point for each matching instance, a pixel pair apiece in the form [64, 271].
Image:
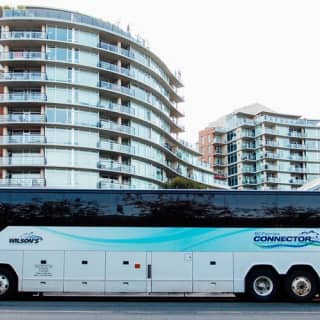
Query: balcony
[109, 125]
[116, 166]
[115, 68]
[296, 134]
[114, 184]
[297, 181]
[248, 170]
[23, 97]
[20, 139]
[22, 55]
[270, 143]
[115, 87]
[217, 140]
[270, 180]
[23, 35]
[117, 107]
[297, 158]
[22, 182]
[22, 161]
[116, 147]
[249, 182]
[297, 146]
[297, 169]
[22, 118]
[248, 146]
[22, 76]
[220, 163]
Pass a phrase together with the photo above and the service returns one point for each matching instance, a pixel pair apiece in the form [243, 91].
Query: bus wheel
[262, 285]
[301, 285]
[8, 283]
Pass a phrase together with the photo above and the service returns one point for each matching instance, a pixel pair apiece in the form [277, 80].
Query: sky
[231, 53]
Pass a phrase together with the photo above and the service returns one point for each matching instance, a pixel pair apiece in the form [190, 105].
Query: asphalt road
[96, 309]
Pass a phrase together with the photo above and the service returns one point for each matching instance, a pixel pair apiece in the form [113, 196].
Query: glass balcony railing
[23, 76]
[22, 182]
[22, 139]
[24, 55]
[22, 97]
[114, 68]
[23, 35]
[114, 184]
[115, 87]
[16, 118]
[117, 127]
[297, 158]
[296, 146]
[117, 147]
[116, 166]
[22, 161]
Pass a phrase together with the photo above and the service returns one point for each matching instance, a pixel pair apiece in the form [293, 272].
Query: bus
[261, 245]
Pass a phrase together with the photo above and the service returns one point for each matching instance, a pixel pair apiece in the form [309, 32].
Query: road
[98, 309]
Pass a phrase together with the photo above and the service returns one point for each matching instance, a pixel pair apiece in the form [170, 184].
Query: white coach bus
[264, 245]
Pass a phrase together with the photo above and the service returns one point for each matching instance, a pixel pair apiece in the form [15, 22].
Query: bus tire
[262, 285]
[8, 283]
[301, 285]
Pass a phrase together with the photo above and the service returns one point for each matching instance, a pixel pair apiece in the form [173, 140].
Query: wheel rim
[301, 286]
[263, 286]
[4, 284]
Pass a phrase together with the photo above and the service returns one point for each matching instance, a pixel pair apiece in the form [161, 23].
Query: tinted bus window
[251, 209]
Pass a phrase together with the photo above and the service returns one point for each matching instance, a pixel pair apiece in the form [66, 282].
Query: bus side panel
[281, 261]
[171, 272]
[212, 272]
[43, 271]
[15, 260]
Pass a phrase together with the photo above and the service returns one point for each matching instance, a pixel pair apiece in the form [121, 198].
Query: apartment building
[255, 147]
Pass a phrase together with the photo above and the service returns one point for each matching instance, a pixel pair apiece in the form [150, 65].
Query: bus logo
[276, 239]
[26, 238]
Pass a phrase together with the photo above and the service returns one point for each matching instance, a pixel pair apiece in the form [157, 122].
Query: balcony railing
[116, 166]
[20, 139]
[16, 118]
[23, 55]
[117, 107]
[23, 35]
[22, 161]
[114, 184]
[115, 68]
[297, 146]
[114, 87]
[22, 97]
[22, 76]
[117, 127]
[117, 147]
[22, 182]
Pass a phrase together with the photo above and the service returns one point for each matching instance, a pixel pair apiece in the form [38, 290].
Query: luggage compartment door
[126, 272]
[171, 272]
[43, 271]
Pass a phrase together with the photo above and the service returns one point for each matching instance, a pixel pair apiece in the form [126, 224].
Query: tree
[183, 183]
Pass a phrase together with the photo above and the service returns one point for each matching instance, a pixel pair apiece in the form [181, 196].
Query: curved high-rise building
[85, 104]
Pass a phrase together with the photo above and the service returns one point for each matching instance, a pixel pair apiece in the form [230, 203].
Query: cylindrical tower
[85, 104]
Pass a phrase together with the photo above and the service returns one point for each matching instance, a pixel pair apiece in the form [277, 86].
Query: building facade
[85, 104]
[258, 148]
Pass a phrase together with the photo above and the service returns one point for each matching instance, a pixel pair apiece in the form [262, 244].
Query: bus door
[126, 272]
[171, 271]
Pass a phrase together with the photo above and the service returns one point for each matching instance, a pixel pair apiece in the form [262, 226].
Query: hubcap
[263, 286]
[4, 284]
[301, 286]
